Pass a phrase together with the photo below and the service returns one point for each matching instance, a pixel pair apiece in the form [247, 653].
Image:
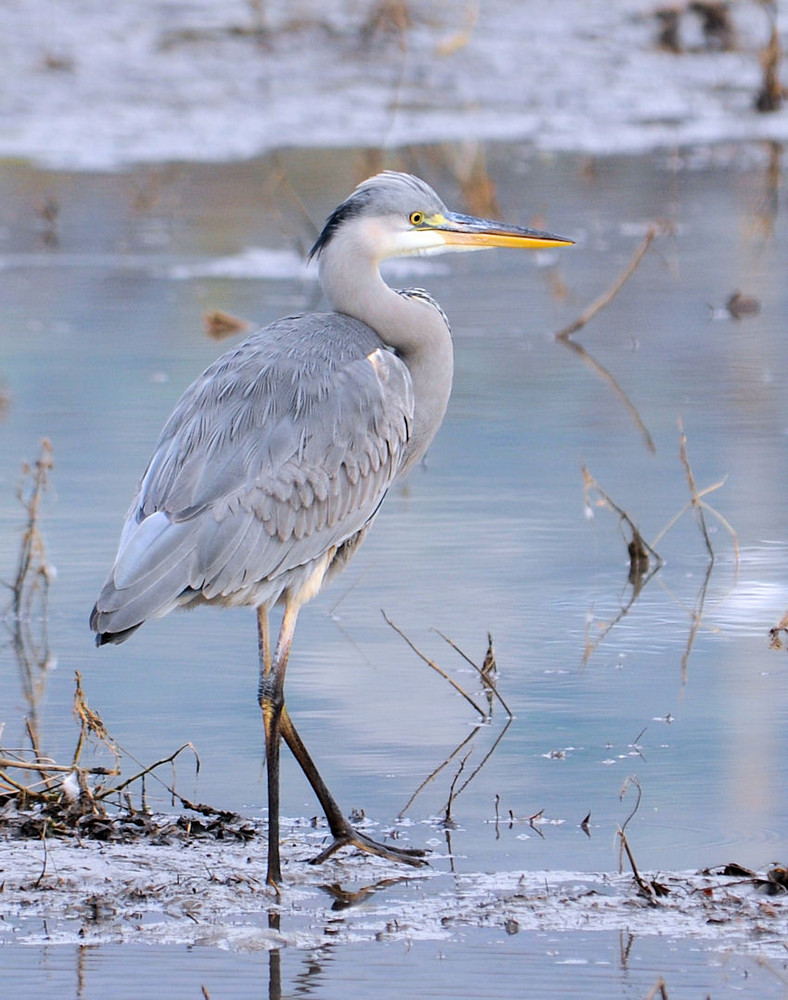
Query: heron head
[395, 214]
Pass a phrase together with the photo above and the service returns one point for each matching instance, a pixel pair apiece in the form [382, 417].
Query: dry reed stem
[435, 666]
[658, 988]
[654, 230]
[45, 766]
[25, 790]
[460, 38]
[90, 722]
[447, 820]
[770, 96]
[639, 543]
[698, 504]
[644, 887]
[485, 672]
[149, 769]
[32, 568]
[648, 889]
[564, 335]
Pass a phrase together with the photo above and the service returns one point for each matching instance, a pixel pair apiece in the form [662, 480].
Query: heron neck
[415, 330]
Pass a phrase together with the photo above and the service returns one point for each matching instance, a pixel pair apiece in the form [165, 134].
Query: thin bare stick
[630, 781]
[46, 768]
[19, 788]
[488, 684]
[447, 820]
[645, 887]
[32, 562]
[589, 483]
[45, 860]
[147, 770]
[695, 499]
[658, 988]
[697, 619]
[434, 666]
[639, 572]
[697, 502]
[607, 297]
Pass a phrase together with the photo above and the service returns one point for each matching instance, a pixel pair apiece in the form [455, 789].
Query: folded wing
[276, 457]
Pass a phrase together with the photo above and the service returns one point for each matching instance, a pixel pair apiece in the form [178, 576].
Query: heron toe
[412, 856]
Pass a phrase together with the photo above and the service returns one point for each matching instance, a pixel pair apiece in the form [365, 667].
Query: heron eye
[416, 218]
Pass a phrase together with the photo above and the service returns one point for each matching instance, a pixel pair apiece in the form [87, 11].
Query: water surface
[102, 330]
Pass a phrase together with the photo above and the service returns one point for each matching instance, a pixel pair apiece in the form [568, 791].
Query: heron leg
[278, 726]
[343, 833]
[271, 698]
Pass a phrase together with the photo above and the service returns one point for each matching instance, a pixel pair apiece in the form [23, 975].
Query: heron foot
[349, 837]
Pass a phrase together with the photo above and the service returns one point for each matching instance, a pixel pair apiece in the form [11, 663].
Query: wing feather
[279, 453]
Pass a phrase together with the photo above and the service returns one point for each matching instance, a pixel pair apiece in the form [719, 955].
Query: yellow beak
[466, 231]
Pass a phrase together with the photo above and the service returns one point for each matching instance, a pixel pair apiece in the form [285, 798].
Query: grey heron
[275, 462]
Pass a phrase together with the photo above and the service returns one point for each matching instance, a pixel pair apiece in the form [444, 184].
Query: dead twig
[47, 766]
[435, 666]
[45, 860]
[90, 723]
[152, 767]
[644, 886]
[654, 230]
[564, 335]
[638, 548]
[697, 619]
[658, 988]
[487, 670]
[653, 889]
[640, 572]
[770, 96]
[697, 504]
[448, 822]
[695, 500]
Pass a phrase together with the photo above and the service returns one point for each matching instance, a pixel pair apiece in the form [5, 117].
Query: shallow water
[557, 965]
[102, 331]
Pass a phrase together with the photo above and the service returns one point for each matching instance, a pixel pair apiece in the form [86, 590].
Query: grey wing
[280, 454]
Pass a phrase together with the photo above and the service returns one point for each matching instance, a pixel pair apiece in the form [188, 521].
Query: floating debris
[739, 305]
[219, 325]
